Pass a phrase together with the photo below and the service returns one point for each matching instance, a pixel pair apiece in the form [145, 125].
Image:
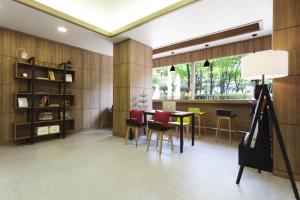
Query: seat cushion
[156, 126]
[133, 122]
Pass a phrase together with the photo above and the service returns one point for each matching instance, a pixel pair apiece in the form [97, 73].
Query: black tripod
[265, 93]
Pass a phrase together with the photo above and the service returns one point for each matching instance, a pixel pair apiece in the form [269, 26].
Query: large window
[220, 81]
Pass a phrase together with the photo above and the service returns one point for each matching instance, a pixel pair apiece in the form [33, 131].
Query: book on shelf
[69, 78]
[44, 101]
[51, 76]
[44, 116]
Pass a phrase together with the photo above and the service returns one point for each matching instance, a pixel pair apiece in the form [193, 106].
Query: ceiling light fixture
[62, 29]
[206, 63]
[254, 37]
[172, 69]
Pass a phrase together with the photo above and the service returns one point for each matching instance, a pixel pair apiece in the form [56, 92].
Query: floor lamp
[261, 65]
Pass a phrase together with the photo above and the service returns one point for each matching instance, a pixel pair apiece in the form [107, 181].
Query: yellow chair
[186, 124]
[199, 116]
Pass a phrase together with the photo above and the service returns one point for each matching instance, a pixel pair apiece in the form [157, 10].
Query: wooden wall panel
[28, 43]
[238, 48]
[9, 41]
[93, 78]
[288, 39]
[48, 51]
[286, 93]
[132, 71]
[286, 14]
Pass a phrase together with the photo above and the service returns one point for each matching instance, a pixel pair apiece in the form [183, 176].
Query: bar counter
[240, 107]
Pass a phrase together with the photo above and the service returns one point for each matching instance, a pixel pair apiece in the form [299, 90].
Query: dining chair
[160, 126]
[134, 123]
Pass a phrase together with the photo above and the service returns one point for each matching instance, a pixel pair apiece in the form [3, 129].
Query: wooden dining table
[180, 115]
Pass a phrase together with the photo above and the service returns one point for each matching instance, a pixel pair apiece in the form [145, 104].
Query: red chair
[135, 123]
[160, 126]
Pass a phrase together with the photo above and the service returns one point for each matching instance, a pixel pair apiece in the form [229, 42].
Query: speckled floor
[96, 165]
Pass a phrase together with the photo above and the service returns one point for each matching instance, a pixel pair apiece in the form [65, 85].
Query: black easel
[264, 93]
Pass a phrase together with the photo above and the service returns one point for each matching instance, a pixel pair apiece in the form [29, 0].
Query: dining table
[180, 115]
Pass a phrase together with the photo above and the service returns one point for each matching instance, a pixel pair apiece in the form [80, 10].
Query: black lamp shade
[172, 69]
[206, 63]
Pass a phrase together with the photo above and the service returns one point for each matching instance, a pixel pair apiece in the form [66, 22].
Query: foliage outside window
[221, 81]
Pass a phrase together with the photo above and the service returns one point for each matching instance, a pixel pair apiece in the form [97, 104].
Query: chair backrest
[225, 113]
[162, 118]
[185, 120]
[137, 115]
[194, 110]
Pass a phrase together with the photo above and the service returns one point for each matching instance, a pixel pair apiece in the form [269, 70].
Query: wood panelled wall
[132, 75]
[238, 48]
[286, 91]
[92, 86]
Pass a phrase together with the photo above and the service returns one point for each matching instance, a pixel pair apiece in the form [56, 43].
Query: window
[221, 81]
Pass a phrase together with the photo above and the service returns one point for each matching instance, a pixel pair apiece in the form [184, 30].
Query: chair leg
[204, 125]
[149, 139]
[233, 129]
[127, 135]
[217, 131]
[136, 136]
[157, 138]
[187, 132]
[171, 140]
[199, 124]
[160, 143]
[229, 122]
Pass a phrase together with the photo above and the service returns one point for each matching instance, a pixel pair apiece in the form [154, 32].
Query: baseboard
[285, 175]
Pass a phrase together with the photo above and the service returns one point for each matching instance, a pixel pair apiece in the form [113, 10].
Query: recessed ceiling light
[62, 29]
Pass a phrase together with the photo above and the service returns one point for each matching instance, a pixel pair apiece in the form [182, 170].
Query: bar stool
[200, 118]
[160, 126]
[134, 123]
[226, 115]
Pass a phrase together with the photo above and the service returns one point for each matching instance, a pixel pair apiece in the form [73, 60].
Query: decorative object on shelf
[61, 66]
[206, 63]
[69, 64]
[44, 116]
[172, 69]
[265, 64]
[54, 105]
[25, 75]
[69, 78]
[54, 129]
[67, 103]
[22, 102]
[51, 75]
[22, 55]
[67, 115]
[44, 101]
[42, 130]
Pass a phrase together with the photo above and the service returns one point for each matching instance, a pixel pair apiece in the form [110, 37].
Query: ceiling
[194, 20]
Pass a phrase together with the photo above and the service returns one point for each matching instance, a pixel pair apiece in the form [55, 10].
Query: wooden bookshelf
[39, 102]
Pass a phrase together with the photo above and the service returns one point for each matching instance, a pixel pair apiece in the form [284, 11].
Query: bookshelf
[45, 101]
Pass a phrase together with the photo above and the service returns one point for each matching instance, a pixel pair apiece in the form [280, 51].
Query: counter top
[204, 101]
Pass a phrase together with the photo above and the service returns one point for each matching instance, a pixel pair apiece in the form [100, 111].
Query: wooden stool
[226, 115]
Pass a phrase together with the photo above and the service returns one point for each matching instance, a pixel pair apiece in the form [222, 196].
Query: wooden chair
[160, 126]
[226, 115]
[134, 123]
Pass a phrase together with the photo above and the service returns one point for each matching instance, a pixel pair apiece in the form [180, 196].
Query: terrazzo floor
[94, 165]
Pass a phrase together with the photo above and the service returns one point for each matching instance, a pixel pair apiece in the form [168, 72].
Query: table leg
[181, 134]
[193, 128]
